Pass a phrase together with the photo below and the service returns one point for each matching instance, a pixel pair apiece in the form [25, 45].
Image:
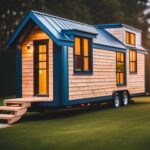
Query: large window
[82, 55]
[130, 38]
[120, 68]
[133, 61]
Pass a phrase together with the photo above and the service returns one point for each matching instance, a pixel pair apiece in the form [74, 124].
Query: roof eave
[79, 33]
[111, 48]
[142, 49]
[117, 25]
[18, 30]
[31, 15]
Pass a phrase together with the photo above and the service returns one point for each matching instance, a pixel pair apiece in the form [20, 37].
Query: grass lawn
[126, 128]
[8, 97]
[1, 101]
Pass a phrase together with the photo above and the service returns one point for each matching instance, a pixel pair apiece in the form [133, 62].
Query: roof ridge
[42, 13]
[103, 38]
[112, 25]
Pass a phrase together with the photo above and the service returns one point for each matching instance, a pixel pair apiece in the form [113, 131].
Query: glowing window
[77, 46]
[42, 48]
[133, 61]
[120, 68]
[82, 55]
[130, 38]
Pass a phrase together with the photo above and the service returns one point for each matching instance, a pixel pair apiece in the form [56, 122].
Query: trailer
[62, 63]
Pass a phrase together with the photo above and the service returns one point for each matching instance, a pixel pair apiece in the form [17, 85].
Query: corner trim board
[18, 73]
[64, 75]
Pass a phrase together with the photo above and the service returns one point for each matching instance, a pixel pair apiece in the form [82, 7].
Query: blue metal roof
[117, 25]
[105, 38]
[55, 26]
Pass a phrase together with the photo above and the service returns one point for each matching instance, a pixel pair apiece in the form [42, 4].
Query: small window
[120, 68]
[130, 38]
[82, 55]
[133, 61]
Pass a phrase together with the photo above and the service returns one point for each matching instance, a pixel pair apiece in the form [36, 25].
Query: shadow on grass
[61, 114]
[69, 113]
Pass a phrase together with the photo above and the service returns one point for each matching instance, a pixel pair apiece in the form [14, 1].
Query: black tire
[116, 100]
[125, 99]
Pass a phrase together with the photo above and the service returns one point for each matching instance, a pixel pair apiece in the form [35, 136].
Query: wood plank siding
[103, 80]
[138, 39]
[119, 33]
[28, 63]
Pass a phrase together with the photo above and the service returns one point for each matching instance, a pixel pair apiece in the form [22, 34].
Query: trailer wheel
[125, 99]
[116, 101]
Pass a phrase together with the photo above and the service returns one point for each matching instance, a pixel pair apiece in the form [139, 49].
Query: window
[82, 55]
[120, 68]
[130, 38]
[133, 61]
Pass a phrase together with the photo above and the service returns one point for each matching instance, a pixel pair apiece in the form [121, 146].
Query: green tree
[89, 11]
[103, 11]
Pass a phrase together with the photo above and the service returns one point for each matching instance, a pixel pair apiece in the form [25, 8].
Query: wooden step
[18, 107]
[6, 116]
[9, 118]
[13, 120]
[10, 108]
[17, 111]
[29, 99]
[16, 103]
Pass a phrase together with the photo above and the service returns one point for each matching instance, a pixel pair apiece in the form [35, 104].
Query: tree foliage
[89, 11]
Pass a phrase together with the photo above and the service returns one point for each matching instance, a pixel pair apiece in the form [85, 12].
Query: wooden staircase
[14, 109]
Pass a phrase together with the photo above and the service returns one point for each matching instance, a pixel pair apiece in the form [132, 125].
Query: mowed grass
[126, 128]
[1, 101]
[8, 97]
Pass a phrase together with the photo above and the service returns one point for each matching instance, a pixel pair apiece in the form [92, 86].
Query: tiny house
[61, 62]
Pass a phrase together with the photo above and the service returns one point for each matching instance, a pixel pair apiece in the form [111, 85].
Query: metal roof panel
[57, 24]
[54, 27]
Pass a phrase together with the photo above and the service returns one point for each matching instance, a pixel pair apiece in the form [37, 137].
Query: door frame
[35, 70]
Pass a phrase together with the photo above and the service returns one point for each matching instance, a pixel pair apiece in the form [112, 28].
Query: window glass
[133, 61]
[42, 82]
[82, 56]
[130, 38]
[42, 65]
[78, 63]
[120, 68]
[118, 56]
[86, 64]
[77, 46]
[86, 47]
[121, 78]
[42, 57]
[122, 57]
[42, 48]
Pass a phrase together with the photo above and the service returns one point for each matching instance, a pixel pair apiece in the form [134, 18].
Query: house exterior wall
[138, 41]
[103, 80]
[119, 33]
[28, 63]
[147, 73]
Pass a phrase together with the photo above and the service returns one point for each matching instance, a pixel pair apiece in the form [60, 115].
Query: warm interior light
[28, 46]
